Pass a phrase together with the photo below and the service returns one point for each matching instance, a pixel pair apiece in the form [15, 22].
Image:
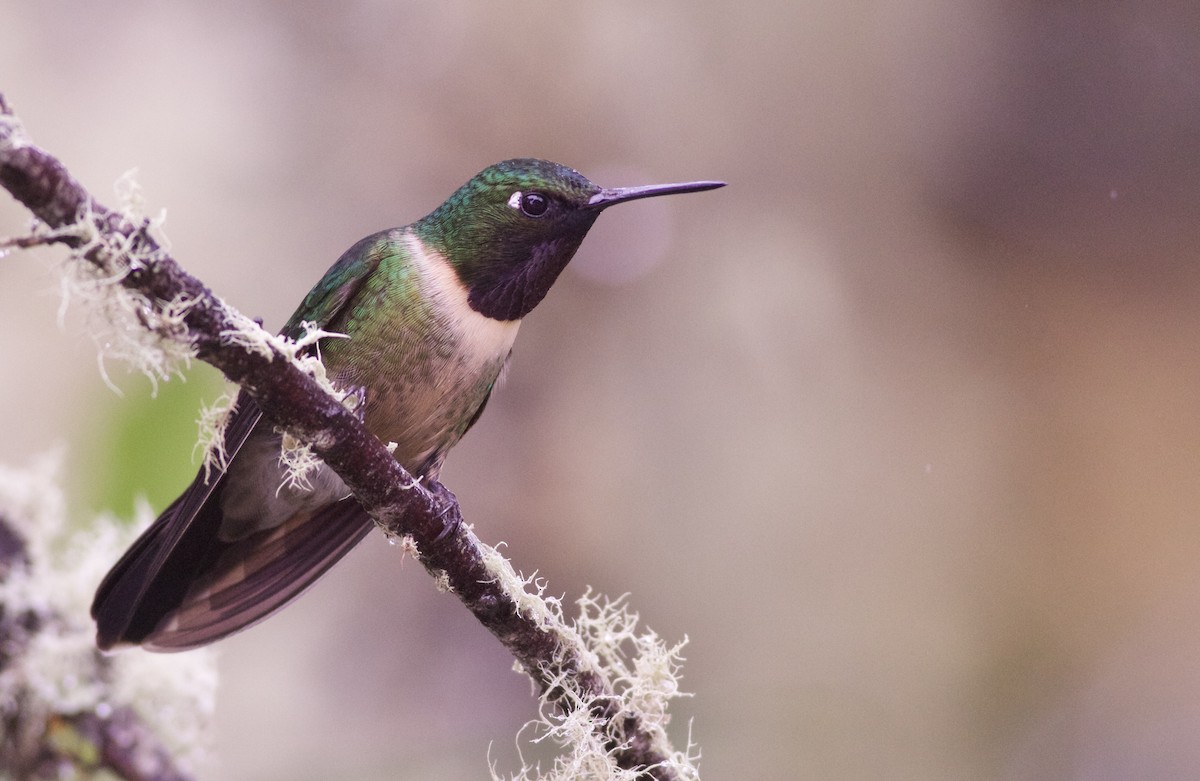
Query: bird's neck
[448, 296]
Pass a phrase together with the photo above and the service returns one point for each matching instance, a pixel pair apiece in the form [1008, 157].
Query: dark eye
[534, 204]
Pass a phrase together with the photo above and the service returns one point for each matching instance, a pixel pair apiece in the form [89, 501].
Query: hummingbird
[426, 315]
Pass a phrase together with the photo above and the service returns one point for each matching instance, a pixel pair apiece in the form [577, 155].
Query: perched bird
[429, 312]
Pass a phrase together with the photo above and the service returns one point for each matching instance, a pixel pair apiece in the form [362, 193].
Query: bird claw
[355, 400]
[449, 505]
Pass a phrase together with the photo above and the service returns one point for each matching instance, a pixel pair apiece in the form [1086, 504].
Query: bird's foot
[355, 400]
[447, 511]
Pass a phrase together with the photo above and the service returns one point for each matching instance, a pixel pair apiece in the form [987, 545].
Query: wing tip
[111, 624]
[106, 642]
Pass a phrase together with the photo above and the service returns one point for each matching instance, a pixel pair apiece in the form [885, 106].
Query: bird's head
[515, 225]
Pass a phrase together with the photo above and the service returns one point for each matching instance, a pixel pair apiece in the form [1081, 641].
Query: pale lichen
[249, 335]
[150, 336]
[297, 458]
[54, 668]
[546, 611]
[214, 420]
[298, 462]
[642, 669]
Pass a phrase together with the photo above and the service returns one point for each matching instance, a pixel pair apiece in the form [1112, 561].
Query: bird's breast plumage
[425, 358]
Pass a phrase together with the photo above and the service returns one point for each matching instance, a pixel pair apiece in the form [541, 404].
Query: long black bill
[608, 197]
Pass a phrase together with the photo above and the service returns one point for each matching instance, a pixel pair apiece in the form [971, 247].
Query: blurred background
[901, 429]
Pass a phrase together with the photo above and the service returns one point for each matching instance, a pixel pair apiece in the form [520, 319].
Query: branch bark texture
[547, 649]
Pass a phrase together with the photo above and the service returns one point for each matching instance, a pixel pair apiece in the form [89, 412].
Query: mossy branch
[180, 311]
[66, 709]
